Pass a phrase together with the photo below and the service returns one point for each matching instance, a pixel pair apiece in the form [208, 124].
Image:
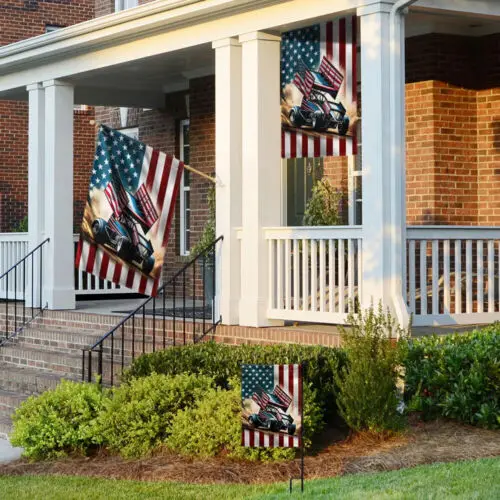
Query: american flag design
[271, 405]
[331, 49]
[132, 194]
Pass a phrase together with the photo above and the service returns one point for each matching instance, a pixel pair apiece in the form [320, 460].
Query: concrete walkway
[7, 452]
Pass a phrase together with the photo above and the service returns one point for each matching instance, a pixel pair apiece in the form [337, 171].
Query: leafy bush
[368, 396]
[324, 207]
[59, 421]
[213, 427]
[456, 376]
[222, 362]
[138, 416]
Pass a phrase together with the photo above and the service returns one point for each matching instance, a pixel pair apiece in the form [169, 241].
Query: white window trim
[121, 5]
[182, 226]
[132, 132]
[352, 202]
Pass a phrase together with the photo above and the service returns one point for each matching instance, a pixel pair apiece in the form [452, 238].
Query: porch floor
[121, 306]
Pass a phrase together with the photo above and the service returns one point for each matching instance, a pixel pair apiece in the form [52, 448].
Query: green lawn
[468, 480]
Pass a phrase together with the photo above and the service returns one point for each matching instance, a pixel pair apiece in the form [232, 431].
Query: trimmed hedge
[222, 363]
[456, 376]
[59, 421]
[137, 417]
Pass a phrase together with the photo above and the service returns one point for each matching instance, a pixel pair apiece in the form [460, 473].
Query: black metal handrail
[10, 327]
[120, 343]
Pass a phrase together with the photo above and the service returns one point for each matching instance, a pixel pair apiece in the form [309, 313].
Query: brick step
[27, 380]
[56, 340]
[10, 399]
[5, 426]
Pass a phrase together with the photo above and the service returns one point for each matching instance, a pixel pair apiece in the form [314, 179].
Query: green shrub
[368, 396]
[456, 376]
[213, 427]
[223, 362]
[324, 207]
[59, 421]
[137, 418]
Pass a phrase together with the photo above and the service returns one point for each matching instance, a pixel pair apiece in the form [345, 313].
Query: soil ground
[423, 443]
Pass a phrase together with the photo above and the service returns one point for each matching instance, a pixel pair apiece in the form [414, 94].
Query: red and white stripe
[289, 378]
[338, 43]
[113, 201]
[161, 175]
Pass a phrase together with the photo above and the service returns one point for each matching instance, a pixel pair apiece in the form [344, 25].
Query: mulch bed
[423, 443]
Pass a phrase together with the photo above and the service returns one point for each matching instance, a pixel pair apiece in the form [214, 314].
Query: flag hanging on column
[129, 210]
[271, 405]
[319, 90]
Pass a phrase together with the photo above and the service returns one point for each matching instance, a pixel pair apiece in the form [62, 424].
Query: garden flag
[271, 405]
[129, 210]
[319, 90]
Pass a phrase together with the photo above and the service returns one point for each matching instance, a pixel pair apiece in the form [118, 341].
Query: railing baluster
[89, 375]
[24, 291]
[314, 275]
[491, 276]
[411, 265]
[15, 299]
[143, 329]
[322, 274]
[32, 286]
[435, 277]
[272, 271]
[279, 275]
[446, 272]
[133, 337]
[468, 276]
[173, 320]
[184, 306]
[350, 273]
[83, 365]
[99, 366]
[341, 276]
[423, 277]
[480, 276]
[331, 276]
[458, 276]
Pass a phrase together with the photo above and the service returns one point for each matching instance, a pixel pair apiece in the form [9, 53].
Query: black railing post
[112, 357]
[89, 374]
[184, 306]
[99, 366]
[204, 295]
[143, 329]
[123, 346]
[214, 288]
[194, 302]
[32, 285]
[163, 319]
[24, 291]
[15, 299]
[133, 338]
[173, 309]
[83, 365]
[7, 307]
[40, 282]
[154, 323]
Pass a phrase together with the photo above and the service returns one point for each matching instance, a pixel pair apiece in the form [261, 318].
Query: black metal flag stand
[302, 450]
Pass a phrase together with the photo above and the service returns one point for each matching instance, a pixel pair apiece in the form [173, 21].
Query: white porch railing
[14, 246]
[453, 274]
[314, 272]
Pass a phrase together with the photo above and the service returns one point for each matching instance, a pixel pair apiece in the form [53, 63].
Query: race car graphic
[272, 415]
[319, 89]
[125, 231]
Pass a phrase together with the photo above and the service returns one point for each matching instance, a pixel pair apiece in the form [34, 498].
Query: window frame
[185, 211]
[121, 5]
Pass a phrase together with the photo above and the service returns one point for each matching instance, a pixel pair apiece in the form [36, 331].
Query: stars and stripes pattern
[126, 169]
[286, 383]
[336, 43]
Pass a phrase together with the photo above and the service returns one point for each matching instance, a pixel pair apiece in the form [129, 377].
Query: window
[50, 28]
[185, 215]
[356, 186]
[132, 132]
[125, 4]
[300, 177]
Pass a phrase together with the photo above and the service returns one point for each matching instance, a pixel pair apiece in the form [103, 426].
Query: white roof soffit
[150, 18]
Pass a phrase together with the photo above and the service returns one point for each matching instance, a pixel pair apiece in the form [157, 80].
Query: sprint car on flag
[319, 89]
[132, 215]
[273, 414]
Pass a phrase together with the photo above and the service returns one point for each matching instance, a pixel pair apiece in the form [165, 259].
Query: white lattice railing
[14, 246]
[314, 272]
[453, 274]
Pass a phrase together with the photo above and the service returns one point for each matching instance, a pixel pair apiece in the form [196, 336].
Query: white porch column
[59, 257]
[36, 183]
[228, 121]
[375, 124]
[261, 175]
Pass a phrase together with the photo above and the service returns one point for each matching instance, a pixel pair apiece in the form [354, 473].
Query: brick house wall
[21, 19]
